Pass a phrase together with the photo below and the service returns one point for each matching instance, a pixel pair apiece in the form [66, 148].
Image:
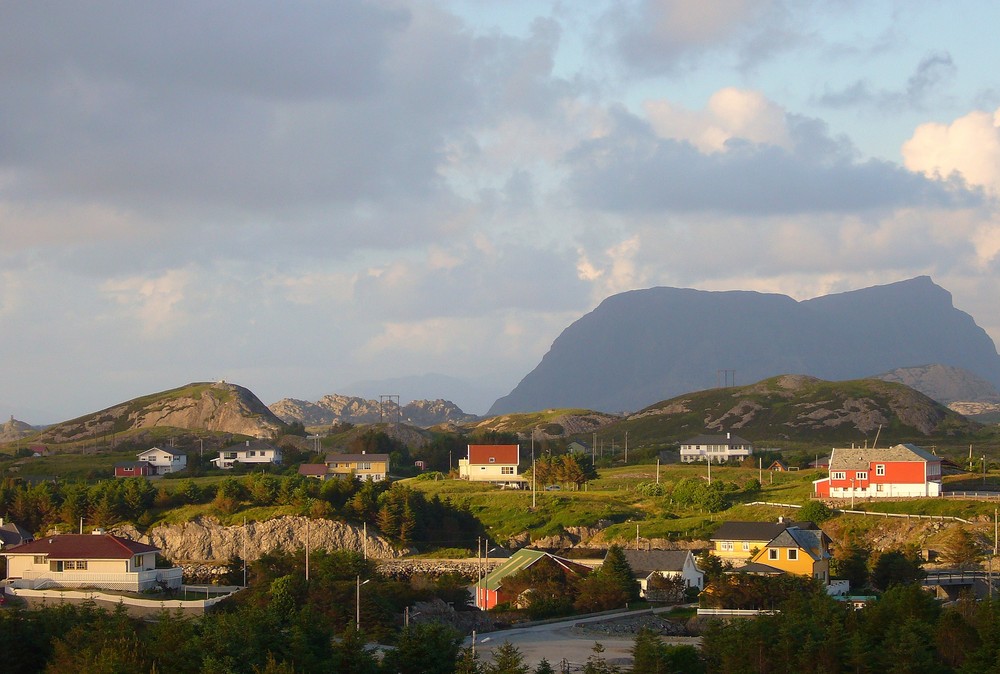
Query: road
[562, 640]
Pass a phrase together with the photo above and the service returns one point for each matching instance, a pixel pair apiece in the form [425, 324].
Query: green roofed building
[489, 591]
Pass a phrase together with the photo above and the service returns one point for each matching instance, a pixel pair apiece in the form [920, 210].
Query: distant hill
[333, 408]
[545, 425]
[14, 430]
[945, 384]
[803, 409]
[643, 346]
[218, 406]
[472, 396]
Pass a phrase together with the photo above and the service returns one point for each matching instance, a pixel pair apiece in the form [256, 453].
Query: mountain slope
[801, 408]
[215, 406]
[647, 345]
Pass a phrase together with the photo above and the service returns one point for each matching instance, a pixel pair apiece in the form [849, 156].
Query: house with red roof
[892, 472]
[491, 463]
[98, 560]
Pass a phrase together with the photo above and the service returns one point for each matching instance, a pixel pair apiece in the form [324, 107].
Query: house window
[39, 559]
[493, 460]
[726, 545]
[861, 475]
[746, 546]
[506, 470]
[75, 566]
[772, 554]
[838, 475]
[793, 554]
[251, 453]
[880, 469]
[879, 487]
[366, 465]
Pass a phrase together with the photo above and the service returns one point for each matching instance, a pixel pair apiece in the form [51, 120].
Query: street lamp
[357, 604]
[482, 587]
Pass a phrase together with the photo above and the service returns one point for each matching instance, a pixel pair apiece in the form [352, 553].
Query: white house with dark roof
[715, 448]
[251, 451]
[899, 471]
[80, 560]
[163, 460]
[12, 534]
[646, 564]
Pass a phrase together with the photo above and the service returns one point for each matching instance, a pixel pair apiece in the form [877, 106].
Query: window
[793, 554]
[772, 554]
[746, 546]
[39, 559]
[879, 487]
[838, 475]
[861, 475]
[493, 460]
[367, 465]
[506, 470]
[880, 469]
[251, 453]
[726, 545]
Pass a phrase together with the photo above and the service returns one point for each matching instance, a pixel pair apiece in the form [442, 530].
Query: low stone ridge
[945, 384]
[204, 539]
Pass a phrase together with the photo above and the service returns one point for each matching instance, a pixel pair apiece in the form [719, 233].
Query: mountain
[218, 406]
[333, 408]
[470, 396]
[945, 384]
[801, 408]
[642, 346]
[14, 430]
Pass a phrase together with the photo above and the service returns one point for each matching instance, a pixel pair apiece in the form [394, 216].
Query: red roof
[316, 469]
[500, 454]
[82, 546]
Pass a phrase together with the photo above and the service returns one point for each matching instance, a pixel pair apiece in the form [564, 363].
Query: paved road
[560, 640]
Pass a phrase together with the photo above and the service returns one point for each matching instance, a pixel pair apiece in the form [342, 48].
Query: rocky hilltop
[797, 407]
[14, 430]
[546, 425]
[204, 539]
[946, 384]
[218, 406]
[334, 408]
[647, 345]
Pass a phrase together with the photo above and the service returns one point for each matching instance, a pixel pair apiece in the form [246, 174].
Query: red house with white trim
[893, 472]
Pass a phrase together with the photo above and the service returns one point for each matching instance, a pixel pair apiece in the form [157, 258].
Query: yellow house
[738, 541]
[804, 552]
[374, 467]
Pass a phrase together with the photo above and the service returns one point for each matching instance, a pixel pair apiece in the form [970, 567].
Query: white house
[715, 448]
[490, 463]
[80, 560]
[164, 460]
[668, 563]
[252, 451]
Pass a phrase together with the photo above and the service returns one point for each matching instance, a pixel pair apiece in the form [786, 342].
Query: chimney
[98, 531]
[248, 443]
[781, 519]
[728, 435]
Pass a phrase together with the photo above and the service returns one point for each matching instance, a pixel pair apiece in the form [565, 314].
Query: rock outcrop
[204, 539]
[334, 408]
[218, 406]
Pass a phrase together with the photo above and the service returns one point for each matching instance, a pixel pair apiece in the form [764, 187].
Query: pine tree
[507, 659]
[616, 566]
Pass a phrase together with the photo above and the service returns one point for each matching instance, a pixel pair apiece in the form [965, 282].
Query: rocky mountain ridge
[334, 408]
[945, 384]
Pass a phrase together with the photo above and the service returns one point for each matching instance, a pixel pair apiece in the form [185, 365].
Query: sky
[296, 196]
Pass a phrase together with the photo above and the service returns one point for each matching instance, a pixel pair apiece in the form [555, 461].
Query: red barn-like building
[894, 472]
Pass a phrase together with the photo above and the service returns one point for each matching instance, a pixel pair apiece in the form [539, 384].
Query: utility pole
[307, 550]
[657, 470]
[709, 458]
[626, 447]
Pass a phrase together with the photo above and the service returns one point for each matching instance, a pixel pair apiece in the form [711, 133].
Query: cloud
[662, 36]
[633, 170]
[928, 82]
[156, 302]
[969, 147]
[731, 114]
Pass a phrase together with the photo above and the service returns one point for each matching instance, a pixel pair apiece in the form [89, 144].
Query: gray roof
[809, 540]
[337, 458]
[861, 458]
[757, 569]
[756, 531]
[12, 534]
[716, 440]
[644, 562]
